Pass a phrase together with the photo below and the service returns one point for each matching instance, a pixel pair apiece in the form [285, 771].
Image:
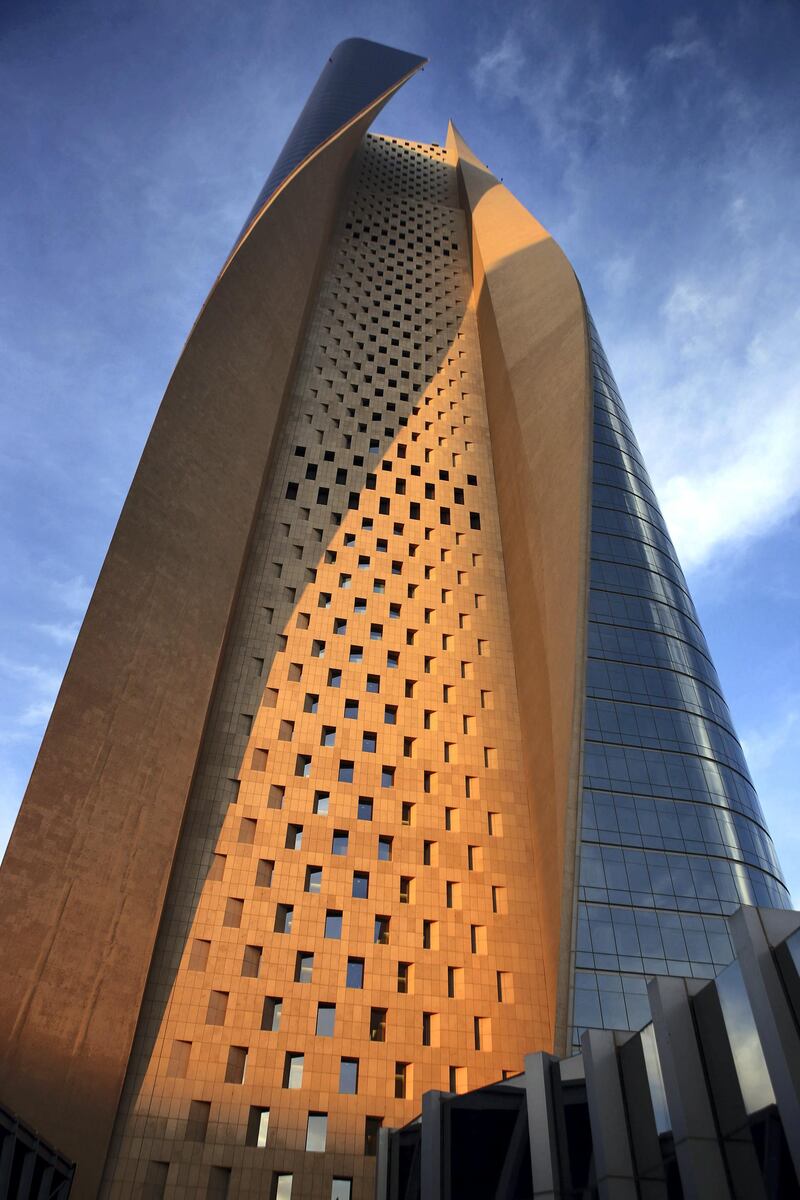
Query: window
[251, 962]
[482, 1032]
[371, 1127]
[232, 917]
[293, 1071]
[458, 1079]
[341, 1188]
[375, 632]
[356, 654]
[321, 801]
[402, 1080]
[258, 1127]
[328, 736]
[351, 709]
[495, 824]
[294, 837]
[304, 965]
[392, 659]
[326, 1020]
[384, 848]
[381, 934]
[369, 742]
[430, 935]
[333, 924]
[264, 872]
[404, 972]
[373, 683]
[477, 935]
[281, 1186]
[390, 714]
[430, 1029]
[316, 1132]
[361, 885]
[339, 625]
[334, 678]
[339, 841]
[236, 1065]
[345, 771]
[354, 977]
[453, 894]
[271, 1014]
[303, 765]
[364, 808]
[406, 889]
[348, 1077]
[217, 1008]
[377, 1025]
[283, 918]
[197, 1122]
[276, 795]
[407, 812]
[455, 982]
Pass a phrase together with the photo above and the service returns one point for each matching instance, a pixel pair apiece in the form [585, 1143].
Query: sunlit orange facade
[301, 841]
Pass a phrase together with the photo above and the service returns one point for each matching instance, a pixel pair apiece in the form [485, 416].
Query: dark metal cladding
[357, 73]
[673, 838]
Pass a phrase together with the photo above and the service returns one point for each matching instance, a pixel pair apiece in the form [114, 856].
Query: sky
[659, 143]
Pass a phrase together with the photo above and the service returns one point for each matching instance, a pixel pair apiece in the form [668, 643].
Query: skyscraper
[390, 749]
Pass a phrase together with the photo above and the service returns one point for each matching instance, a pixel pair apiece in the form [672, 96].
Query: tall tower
[390, 748]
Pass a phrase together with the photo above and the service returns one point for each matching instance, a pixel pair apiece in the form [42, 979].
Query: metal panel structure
[701, 1104]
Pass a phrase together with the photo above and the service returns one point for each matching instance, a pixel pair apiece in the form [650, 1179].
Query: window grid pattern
[673, 837]
[375, 577]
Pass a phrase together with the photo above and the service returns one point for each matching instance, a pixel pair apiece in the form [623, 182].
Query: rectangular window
[355, 973]
[402, 1080]
[283, 918]
[406, 889]
[321, 801]
[341, 1188]
[271, 1014]
[351, 709]
[333, 924]
[237, 1064]
[304, 966]
[316, 1132]
[372, 1125]
[251, 962]
[257, 1127]
[345, 771]
[339, 841]
[348, 1077]
[217, 1008]
[264, 872]
[294, 837]
[384, 848]
[381, 935]
[293, 1071]
[360, 885]
[373, 683]
[364, 811]
[326, 1020]
[377, 1025]
[369, 742]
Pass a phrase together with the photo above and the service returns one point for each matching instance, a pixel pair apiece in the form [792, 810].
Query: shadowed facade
[302, 840]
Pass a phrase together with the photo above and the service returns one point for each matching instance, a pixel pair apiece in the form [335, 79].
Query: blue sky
[658, 143]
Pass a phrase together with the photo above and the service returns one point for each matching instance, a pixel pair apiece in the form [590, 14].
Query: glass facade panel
[672, 834]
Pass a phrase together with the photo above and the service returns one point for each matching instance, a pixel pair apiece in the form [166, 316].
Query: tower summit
[391, 748]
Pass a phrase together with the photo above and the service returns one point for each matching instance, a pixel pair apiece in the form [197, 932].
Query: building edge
[83, 880]
[534, 341]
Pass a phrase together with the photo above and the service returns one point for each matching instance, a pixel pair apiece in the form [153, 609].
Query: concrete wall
[534, 346]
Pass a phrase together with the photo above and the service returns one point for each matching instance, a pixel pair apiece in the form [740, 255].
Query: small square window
[373, 683]
[351, 709]
[311, 703]
[356, 654]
